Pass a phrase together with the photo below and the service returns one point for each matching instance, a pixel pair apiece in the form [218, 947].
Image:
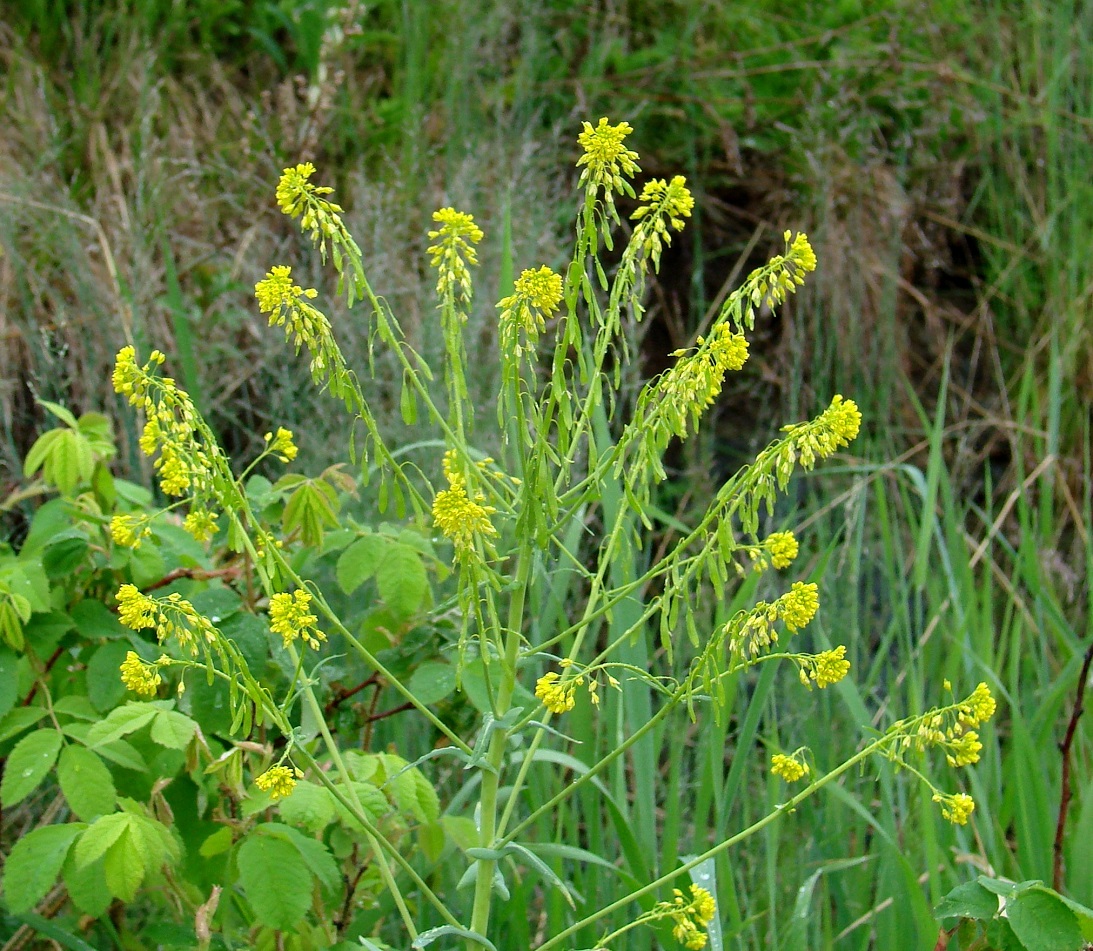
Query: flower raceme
[453, 251]
[462, 521]
[536, 295]
[290, 616]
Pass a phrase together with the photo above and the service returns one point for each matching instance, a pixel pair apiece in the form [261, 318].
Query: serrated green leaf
[95, 621]
[19, 719]
[86, 783]
[309, 806]
[358, 562]
[121, 722]
[105, 689]
[969, 900]
[124, 864]
[28, 763]
[275, 880]
[373, 802]
[310, 509]
[313, 852]
[100, 835]
[1043, 923]
[34, 863]
[401, 580]
[173, 729]
[65, 552]
[86, 886]
[220, 841]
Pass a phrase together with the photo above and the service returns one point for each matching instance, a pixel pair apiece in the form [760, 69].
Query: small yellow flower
[295, 192]
[130, 530]
[782, 547]
[460, 519]
[536, 296]
[290, 616]
[957, 809]
[728, 350]
[830, 667]
[799, 605]
[801, 253]
[135, 610]
[141, 678]
[605, 158]
[979, 707]
[703, 904]
[557, 698]
[963, 750]
[453, 251]
[201, 524]
[282, 444]
[278, 781]
[790, 768]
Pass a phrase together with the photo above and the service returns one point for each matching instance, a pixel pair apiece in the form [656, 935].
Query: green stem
[491, 776]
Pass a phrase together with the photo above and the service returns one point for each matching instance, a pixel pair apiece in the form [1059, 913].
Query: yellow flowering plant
[548, 589]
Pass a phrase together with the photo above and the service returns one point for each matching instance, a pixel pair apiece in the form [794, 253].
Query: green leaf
[86, 886]
[63, 414]
[401, 579]
[432, 681]
[311, 508]
[95, 621]
[275, 880]
[970, 900]
[28, 763]
[19, 719]
[358, 562]
[374, 803]
[173, 729]
[8, 681]
[105, 689]
[1043, 923]
[309, 806]
[313, 852]
[100, 835]
[121, 722]
[34, 863]
[86, 783]
[220, 841]
[64, 552]
[124, 863]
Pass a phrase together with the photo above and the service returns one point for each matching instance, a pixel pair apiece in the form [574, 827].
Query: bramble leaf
[34, 863]
[28, 763]
[86, 783]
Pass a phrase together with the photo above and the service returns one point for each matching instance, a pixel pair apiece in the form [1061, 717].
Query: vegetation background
[938, 156]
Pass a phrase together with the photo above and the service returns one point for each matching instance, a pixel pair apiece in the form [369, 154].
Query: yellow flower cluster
[690, 387]
[143, 679]
[691, 917]
[956, 808]
[789, 768]
[297, 196]
[282, 445]
[669, 202]
[200, 523]
[536, 296]
[834, 428]
[557, 697]
[461, 520]
[756, 632]
[606, 159]
[278, 781]
[169, 616]
[285, 301]
[290, 616]
[186, 463]
[453, 251]
[130, 530]
[826, 668]
[782, 548]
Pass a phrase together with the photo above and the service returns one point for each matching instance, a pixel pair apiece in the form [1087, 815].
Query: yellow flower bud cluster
[778, 550]
[826, 668]
[461, 519]
[956, 808]
[281, 445]
[755, 632]
[278, 781]
[290, 616]
[607, 162]
[536, 296]
[666, 204]
[297, 197]
[790, 768]
[143, 679]
[130, 530]
[556, 695]
[688, 389]
[453, 251]
[172, 616]
[690, 918]
[188, 460]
